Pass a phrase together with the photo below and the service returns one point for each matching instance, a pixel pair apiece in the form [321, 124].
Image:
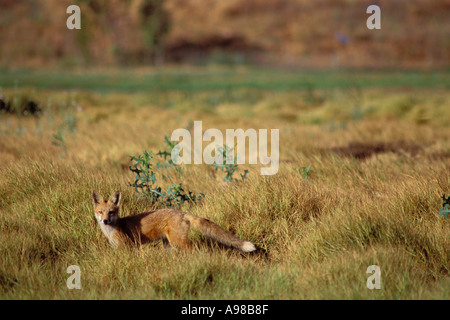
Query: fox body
[170, 226]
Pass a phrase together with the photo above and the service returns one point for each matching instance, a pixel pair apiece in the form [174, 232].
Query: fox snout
[106, 219]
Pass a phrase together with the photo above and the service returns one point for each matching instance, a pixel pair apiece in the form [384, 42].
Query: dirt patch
[439, 156]
[361, 151]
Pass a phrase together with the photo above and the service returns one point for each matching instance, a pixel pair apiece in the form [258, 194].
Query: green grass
[320, 234]
[220, 79]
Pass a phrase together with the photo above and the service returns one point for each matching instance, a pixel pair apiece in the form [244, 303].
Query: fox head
[106, 212]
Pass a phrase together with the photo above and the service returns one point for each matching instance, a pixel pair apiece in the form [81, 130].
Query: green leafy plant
[58, 140]
[176, 195]
[304, 172]
[145, 185]
[229, 168]
[167, 155]
[145, 177]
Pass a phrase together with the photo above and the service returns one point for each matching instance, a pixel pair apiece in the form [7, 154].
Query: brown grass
[320, 234]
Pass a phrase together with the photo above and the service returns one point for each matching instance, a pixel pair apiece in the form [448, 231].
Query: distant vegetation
[303, 33]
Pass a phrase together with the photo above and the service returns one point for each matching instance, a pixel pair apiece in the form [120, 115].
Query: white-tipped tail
[212, 230]
[247, 246]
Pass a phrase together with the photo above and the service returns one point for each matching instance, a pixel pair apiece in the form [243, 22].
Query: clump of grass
[19, 104]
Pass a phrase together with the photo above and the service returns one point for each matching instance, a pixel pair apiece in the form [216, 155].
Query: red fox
[170, 226]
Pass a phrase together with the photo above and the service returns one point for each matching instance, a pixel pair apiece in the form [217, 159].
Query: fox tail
[212, 230]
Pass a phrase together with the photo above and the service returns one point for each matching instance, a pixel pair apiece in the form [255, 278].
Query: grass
[204, 79]
[320, 233]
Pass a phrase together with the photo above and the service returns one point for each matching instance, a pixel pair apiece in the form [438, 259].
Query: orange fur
[170, 226]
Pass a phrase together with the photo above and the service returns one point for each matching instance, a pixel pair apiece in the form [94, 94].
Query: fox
[169, 225]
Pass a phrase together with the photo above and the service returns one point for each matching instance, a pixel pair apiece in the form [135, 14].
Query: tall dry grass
[319, 234]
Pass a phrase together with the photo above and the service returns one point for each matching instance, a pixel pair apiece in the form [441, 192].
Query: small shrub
[145, 185]
[229, 168]
[304, 172]
[58, 140]
[167, 155]
[20, 106]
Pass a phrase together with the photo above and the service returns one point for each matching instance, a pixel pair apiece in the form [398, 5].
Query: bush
[145, 185]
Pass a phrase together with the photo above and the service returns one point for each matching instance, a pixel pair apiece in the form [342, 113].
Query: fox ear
[96, 197]
[115, 198]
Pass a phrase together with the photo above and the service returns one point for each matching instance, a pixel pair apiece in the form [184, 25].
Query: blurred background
[286, 33]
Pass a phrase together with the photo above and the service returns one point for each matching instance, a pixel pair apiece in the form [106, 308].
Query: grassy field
[377, 145]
